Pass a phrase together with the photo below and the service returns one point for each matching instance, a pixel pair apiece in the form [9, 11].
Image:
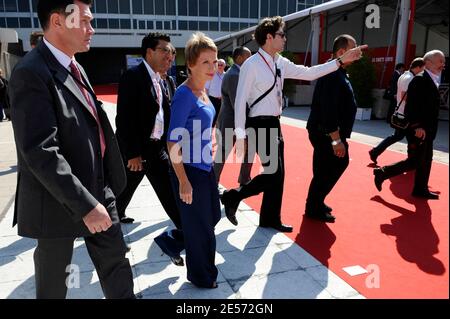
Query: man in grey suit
[225, 120]
[69, 164]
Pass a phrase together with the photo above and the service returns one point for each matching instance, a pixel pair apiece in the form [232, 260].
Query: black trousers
[271, 181]
[199, 219]
[107, 251]
[397, 136]
[217, 104]
[156, 168]
[420, 158]
[327, 169]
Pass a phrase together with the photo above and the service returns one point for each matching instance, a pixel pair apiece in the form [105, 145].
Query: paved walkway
[253, 262]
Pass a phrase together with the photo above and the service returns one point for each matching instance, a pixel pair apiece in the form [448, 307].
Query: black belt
[265, 117]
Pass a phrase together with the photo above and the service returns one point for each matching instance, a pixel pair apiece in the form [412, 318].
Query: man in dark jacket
[329, 125]
[422, 111]
[69, 164]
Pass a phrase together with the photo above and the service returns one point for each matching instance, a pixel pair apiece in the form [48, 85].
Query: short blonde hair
[198, 43]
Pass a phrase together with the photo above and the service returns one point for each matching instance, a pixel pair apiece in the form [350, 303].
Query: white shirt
[214, 87]
[65, 61]
[402, 88]
[158, 128]
[256, 77]
[436, 78]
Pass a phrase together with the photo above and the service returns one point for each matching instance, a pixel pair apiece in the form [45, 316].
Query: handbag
[399, 120]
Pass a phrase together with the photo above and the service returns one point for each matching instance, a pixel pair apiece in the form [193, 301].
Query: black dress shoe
[126, 220]
[426, 195]
[163, 242]
[373, 157]
[231, 205]
[379, 178]
[327, 217]
[281, 228]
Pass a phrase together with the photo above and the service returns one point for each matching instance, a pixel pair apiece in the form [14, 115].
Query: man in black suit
[329, 126]
[143, 116]
[422, 111]
[69, 164]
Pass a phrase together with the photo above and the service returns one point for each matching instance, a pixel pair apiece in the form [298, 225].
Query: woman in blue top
[190, 149]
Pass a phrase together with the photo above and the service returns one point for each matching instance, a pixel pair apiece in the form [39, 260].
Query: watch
[336, 142]
[340, 61]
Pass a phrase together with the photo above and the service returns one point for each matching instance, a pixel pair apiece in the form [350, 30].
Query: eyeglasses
[281, 34]
[166, 50]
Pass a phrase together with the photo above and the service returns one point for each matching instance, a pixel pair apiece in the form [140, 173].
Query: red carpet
[405, 240]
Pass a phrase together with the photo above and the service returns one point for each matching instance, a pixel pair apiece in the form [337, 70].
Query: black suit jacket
[61, 173]
[422, 104]
[137, 108]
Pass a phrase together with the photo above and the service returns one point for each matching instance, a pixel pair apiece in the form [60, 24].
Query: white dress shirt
[436, 78]
[402, 87]
[158, 128]
[65, 61]
[214, 87]
[256, 77]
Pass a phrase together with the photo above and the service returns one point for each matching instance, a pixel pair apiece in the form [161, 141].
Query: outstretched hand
[353, 54]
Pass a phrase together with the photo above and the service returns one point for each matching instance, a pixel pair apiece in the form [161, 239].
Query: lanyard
[267, 63]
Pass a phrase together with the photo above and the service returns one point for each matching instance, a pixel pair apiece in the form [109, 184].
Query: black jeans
[397, 136]
[327, 169]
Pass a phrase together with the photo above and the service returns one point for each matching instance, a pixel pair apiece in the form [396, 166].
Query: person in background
[142, 120]
[422, 111]
[214, 88]
[392, 96]
[329, 126]
[193, 176]
[261, 78]
[225, 120]
[3, 97]
[417, 66]
[69, 163]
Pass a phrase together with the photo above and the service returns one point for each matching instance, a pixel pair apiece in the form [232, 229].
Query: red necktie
[76, 73]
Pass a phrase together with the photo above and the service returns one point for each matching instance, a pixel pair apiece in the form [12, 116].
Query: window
[182, 7]
[282, 7]
[25, 23]
[292, 6]
[12, 22]
[113, 23]
[34, 3]
[244, 9]
[137, 7]
[102, 23]
[254, 5]
[234, 26]
[273, 8]
[148, 6]
[135, 24]
[224, 26]
[225, 9]
[113, 6]
[10, 6]
[124, 6]
[214, 26]
[193, 25]
[264, 8]
[125, 24]
[300, 7]
[243, 26]
[36, 23]
[203, 25]
[213, 8]
[24, 6]
[182, 25]
[150, 25]
[193, 8]
[234, 10]
[170, 7]
[100, 6]
[159, 25]
[2, 20]
[160, 8]
[167, 25]
[142, 25]
[203, 8]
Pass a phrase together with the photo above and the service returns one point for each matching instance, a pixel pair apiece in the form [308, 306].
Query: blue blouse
[190, 126]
